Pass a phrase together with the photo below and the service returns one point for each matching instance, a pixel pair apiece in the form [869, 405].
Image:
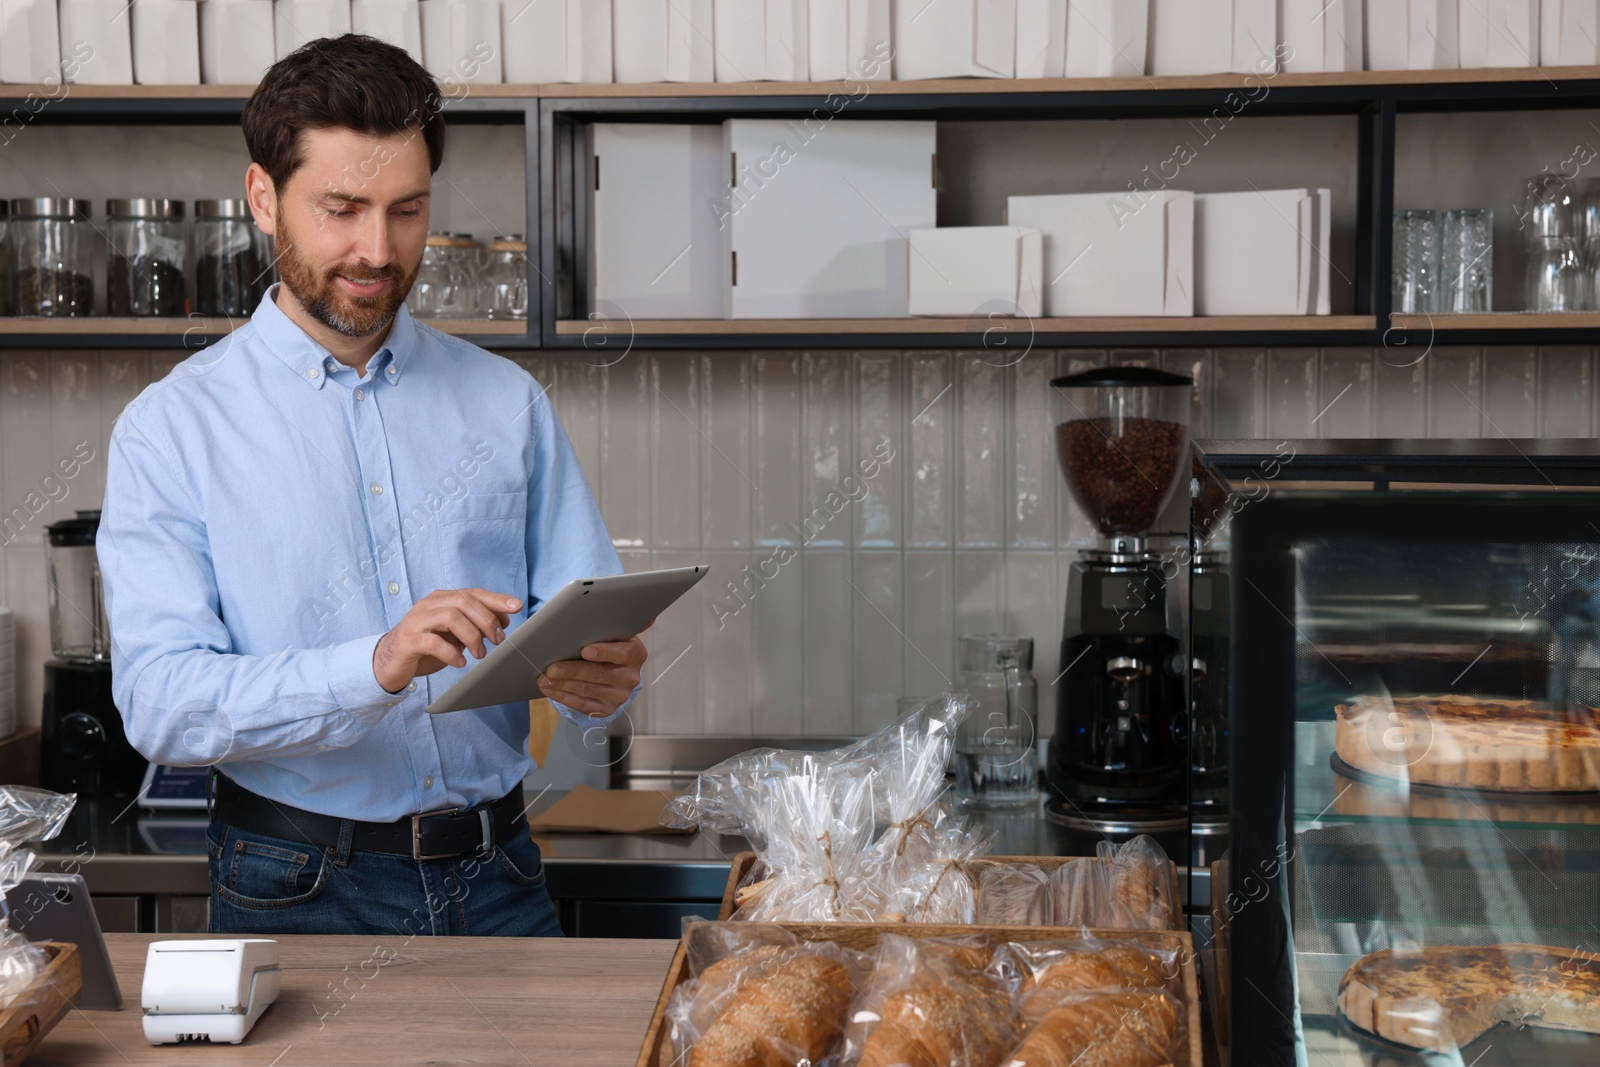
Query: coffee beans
[1121, 471]
[48, 292]
[144, 285]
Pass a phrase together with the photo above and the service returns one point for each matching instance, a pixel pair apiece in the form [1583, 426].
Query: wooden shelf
[1502, 320]
[1214, 324]
[166, 327]
[939, 86]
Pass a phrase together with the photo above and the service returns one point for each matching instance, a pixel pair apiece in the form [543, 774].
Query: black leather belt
[428, 835]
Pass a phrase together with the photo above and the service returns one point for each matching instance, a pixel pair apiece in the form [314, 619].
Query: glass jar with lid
[52, 257]
[504, 287]
[231, 270]
[470, 256]
[145, 264]
[443, 288]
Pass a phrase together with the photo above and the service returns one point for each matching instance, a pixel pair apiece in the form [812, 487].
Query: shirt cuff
[351, 681]
[587, 721]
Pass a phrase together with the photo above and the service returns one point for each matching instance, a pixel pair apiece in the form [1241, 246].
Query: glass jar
[470, 259]
[443, 288]
[230, 272]
[5, 257]
[995, 762]
[144, 267]
[52, 257]
[505, 278]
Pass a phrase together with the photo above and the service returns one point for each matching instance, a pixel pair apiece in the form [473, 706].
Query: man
[307, 529]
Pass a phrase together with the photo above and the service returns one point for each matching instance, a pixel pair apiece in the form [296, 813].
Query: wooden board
[657, 1050]
[744, 861]
[39, 1009]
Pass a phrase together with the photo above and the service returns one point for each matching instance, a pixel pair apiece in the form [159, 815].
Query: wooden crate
[744, 861]
[37, 1011]
[657, 1049]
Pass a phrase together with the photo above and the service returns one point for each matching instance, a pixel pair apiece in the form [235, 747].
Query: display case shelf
[195, 332]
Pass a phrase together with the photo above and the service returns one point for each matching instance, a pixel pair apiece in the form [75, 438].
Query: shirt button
[332, 365]
[394, 588]
[360, 395]
[391, 369]
[427, 783]
[312, 373]
[412, 688]
[377, 490]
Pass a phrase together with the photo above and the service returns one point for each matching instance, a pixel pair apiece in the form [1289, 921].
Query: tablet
[585, 611]
[56, 907]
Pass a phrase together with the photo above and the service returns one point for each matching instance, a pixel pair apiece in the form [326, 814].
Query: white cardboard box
[397, 21]
[1113, 254]
[954, 38]
[1569, 33]
[1322, 269]
[655, 249]
[1435, 34]
[166, 42]
[1256, 37]
[461, 40]
[1255, 253]
[1500, 33]
[815, 226]
[762, 40]
[662, 41]
[976, 270]
[1041, 38]
[1212, 36]
[102, 25]
[1107, 38]
[1386, 30]
[556, 40]
[849, 39]
[297, 22]
[30, 42]
[236, 41]
[1321, 35]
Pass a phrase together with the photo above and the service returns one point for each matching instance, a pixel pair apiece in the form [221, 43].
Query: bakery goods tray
[657, 1048]
[1400, 786]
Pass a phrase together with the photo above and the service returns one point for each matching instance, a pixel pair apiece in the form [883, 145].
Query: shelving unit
[553, 117]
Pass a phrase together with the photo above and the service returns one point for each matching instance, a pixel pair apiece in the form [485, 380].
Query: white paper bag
[1569, 33]
[1500, 33]
[849, 39]
[1107, 38]
[975, 270]
[1435, 35]
[101, 25]
[297, 22]
[762, 40]
[954, 38]
[236, 41]
[1321, 35]
[461, 40]
[30, 42]
[1041, 38]
[1113, 253]
[1254, 252]
[815, 225]
[655, 250]
[166, 42]
[398, 22]
[662, 41]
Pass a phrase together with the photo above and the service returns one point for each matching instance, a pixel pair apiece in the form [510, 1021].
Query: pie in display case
[1414, 874]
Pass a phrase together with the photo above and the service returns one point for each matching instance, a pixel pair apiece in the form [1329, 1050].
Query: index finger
[499, 603]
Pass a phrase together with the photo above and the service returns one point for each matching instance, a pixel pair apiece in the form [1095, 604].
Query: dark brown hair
[354, 82]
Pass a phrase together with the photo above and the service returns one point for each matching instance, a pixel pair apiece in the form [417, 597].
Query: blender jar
[78, 628]
[1122, 437]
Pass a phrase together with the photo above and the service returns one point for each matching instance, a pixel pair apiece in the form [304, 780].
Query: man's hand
[437, 629]
[598, 683]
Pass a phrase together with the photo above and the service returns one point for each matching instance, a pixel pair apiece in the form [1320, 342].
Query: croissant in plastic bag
[26, 814]
[1015, 895]
[932, 1002]
[1099, 1029]
[1124, 887]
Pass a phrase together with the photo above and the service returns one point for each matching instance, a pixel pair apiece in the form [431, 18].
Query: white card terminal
[208, 990]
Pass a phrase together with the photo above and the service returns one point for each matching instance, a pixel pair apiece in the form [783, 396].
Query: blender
[1119, 758]
[83, 746]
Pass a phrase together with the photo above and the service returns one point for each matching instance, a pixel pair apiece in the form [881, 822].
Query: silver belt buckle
[485, 820]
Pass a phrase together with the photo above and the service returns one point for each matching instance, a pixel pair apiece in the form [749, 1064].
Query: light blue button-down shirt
[269, 515]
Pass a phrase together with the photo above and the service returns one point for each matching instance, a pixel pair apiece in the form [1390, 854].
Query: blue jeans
[269, 885]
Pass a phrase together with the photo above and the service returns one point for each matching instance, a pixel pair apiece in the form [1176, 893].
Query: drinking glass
[1586, 228]
[1468, 260]
[1417, 265]
[1555, 275]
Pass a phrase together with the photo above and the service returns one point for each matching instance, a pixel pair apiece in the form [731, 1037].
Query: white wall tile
[1400, 388]
[574, 391]
[980, 591]
[1291, 393]
[929, 653]
[826, 450]
[880, 430]
[1034, 608]
[674, 452]
[27, 594]
[1345, 396]
[625, 396]
[1032, 472]
[828, 642]
[726, 454]
[25, 448]
[1239, 395]
[777, 463]
[929, 469]
[727, 637]
[980, 452]
[1510, 392]
[1196, 366]
[779, 650]
[1455, 392]
[1566, 392]
[676, 697]
[879, 639]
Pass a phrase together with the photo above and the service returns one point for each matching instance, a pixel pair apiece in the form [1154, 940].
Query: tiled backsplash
[860, 509]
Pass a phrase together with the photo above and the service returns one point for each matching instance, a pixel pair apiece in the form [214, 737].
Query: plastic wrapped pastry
[936, 1002]
[1015, 895]
[1124, 887]
[26, 814]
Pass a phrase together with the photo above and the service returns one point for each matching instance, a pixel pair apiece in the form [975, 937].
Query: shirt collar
[308, 359]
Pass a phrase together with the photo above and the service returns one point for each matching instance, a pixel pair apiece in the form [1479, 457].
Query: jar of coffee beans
[52, 244]
[232, 269]
[144, 268]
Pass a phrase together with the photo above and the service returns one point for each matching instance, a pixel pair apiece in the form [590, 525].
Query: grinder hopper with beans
[1119, 757]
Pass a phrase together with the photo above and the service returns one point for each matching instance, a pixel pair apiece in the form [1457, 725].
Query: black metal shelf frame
[557, 169]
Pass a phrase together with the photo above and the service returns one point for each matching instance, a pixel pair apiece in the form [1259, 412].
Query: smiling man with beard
[247, 483]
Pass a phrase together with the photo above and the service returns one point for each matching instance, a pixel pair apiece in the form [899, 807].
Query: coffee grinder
[83, 748]
[1119, 757]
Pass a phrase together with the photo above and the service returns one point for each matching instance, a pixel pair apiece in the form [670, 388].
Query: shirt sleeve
[185, 698]
[567, 538]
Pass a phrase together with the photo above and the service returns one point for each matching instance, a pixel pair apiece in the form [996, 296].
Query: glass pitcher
[78, 630]
[995, 762]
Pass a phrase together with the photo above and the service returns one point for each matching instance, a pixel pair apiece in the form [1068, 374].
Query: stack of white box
[298, 22]
[1321, 35]
[850, 39]
[30, 41]
[558, 40]
[1569, 32]
[762, 40]
[976, 271]
[461, 40]
[1263, 252]
[662, 41]
[955, 38]
[398, 22]
[237, 42]
[1107, 38]
[1212, 36]
[102, 27]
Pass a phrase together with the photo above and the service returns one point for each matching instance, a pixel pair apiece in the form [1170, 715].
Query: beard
[319, 292]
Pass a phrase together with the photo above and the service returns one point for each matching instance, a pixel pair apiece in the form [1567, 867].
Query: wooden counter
[434, 1000]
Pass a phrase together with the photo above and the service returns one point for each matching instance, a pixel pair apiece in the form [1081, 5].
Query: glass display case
[1414, 874]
